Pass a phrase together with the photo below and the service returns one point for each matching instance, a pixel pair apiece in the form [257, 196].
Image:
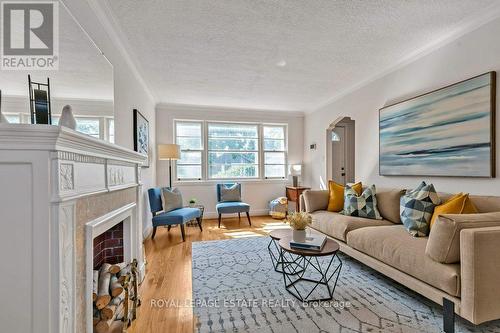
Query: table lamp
[295, 172]
[169, 152]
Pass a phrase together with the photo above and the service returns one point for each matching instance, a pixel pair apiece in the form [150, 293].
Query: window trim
[285, 150]
[202, 150]
[204, 160]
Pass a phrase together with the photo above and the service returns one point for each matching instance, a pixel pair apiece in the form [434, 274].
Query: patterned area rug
[235, 289]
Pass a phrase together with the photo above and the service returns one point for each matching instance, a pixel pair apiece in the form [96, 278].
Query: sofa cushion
[486, 204]
[337, 225]
[417, 207]
[444, 239]
[388, 203]
[362, 205]
[315, 200]
[394, 246]
[336, 195]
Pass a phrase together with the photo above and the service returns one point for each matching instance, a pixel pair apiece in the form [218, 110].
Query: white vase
[67, 119]
[299, 236]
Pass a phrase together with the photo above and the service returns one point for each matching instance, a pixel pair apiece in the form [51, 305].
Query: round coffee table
[326, 270]
[275, 251]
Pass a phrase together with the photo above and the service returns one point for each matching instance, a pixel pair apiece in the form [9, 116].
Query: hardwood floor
[168, 275]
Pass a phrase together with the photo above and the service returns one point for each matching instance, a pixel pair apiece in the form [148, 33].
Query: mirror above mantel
[84, 80]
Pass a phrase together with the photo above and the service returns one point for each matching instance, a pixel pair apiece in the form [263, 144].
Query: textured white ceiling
[224, 52]
[83, 72]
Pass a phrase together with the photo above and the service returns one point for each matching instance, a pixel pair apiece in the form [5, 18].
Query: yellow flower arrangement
[299, 220]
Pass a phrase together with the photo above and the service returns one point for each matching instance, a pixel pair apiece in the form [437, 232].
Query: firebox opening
[108, 246]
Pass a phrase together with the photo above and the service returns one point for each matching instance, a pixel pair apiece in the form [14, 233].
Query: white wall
[129, 90]
[472, 54]
[257, 193]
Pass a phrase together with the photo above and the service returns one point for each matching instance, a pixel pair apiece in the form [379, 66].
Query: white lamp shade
[296, 169]
[169, 151]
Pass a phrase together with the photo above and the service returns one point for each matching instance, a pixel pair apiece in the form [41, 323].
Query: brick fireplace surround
[108, 246]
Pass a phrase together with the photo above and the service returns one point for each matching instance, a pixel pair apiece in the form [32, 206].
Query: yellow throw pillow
[469, 207]
[336, 200]
[454, 205]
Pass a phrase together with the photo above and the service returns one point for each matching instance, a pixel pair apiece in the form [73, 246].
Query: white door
[339, 155]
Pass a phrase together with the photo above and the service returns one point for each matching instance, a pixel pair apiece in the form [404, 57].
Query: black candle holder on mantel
[40, 107]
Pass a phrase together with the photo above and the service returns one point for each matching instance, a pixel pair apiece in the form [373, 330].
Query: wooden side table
[293, 194]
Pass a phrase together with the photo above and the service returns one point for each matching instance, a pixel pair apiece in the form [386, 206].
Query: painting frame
[141, 135]
[491, 173]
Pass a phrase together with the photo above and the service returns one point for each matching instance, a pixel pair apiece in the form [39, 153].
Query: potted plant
[192, 202]
[299, 221]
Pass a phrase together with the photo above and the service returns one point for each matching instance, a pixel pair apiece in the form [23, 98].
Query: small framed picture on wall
[141, 135]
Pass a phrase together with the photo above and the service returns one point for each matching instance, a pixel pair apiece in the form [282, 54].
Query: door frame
[350, 136]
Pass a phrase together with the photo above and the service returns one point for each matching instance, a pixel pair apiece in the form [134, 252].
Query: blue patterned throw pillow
[364, 205]
[417, 207]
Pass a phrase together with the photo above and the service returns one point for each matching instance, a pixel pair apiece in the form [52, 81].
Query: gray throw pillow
[364, 205]
[417, 207]
[171, 199]
[232, 193]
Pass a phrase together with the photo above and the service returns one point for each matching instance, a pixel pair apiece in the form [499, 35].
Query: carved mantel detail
[115, 176]
[66, 177]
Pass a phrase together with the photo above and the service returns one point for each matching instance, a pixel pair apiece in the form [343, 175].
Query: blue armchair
[178, 216]
[231, 207]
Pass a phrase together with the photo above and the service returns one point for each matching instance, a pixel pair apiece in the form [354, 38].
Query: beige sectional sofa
[457, 266]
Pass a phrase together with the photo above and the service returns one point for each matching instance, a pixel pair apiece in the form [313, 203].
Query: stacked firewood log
[115, 297]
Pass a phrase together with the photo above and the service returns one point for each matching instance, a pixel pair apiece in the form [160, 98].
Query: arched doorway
[340, 153]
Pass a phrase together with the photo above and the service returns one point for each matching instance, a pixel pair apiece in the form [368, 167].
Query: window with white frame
[90, 125]
[189, 135]
[274, 147]
[111, 130]
[13, 118]
[85, 125]
[233, 151]
[222, 150]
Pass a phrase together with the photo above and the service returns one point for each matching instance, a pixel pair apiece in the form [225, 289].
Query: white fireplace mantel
[44, 171]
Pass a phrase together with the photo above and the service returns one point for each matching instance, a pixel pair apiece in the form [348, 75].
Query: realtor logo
[29, 37]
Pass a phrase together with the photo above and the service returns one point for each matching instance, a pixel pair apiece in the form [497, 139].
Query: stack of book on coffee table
[313, 242]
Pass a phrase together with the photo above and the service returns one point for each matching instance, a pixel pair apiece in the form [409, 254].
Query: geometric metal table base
[301, 283]
[326, 276]
[295, 264]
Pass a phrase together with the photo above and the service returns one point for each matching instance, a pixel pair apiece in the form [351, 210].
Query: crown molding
[108, 20]
[487, 15]
[223, 109]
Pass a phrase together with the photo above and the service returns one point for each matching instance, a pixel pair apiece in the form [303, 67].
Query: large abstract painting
[447, 132]
[141, 135]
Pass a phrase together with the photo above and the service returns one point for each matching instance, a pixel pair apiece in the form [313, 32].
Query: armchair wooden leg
[248, 217]
[239, 216]
[199, 223]
[168, 228]
[220, 215]
[183, 233]
[154, 233]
